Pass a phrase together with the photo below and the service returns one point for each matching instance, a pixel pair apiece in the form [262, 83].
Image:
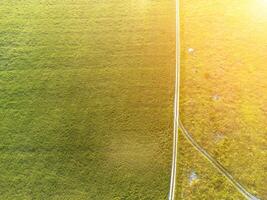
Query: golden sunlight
[258, 9]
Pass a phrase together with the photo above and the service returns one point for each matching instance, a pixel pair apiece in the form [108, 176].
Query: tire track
[217, 165]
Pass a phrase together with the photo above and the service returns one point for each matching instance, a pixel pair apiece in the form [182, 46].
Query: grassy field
[86, 90]
[223, 89]
[86, 93]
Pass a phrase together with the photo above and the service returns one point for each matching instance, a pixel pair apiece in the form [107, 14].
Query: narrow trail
[176, 105]
[216, 164]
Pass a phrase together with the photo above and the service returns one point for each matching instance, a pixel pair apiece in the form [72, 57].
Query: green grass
[86, 99]
[229, 40]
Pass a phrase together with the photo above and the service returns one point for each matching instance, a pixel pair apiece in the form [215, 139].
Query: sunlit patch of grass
[197, 179]
[223, 84]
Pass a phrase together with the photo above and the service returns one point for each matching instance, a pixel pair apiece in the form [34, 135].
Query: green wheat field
[86, 93]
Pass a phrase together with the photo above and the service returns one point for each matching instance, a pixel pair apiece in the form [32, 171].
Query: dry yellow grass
[224, 84]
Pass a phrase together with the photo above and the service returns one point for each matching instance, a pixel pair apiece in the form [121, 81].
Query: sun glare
[258, 9]
[261, 3]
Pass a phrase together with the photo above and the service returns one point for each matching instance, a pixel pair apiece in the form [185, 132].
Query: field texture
[86, 93]
[224, 90]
